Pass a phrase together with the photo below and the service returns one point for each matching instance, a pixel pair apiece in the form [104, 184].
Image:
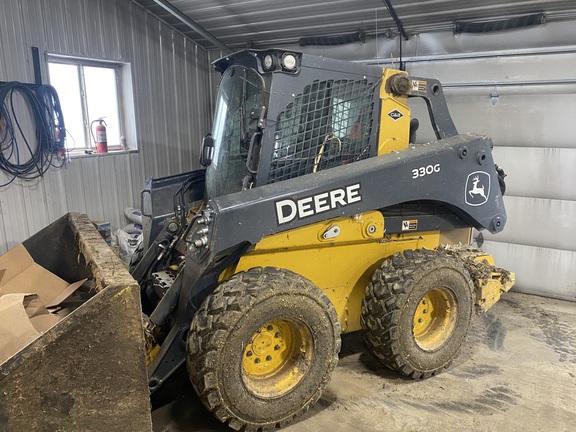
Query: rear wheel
[417, 312]
[262, 348]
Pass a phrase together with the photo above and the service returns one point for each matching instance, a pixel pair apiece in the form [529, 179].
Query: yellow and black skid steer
[315, 216]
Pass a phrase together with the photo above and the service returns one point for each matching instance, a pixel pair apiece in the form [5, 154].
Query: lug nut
[257, 360]
[277, 335]
[249, 353]
[424, 302]
[276, 347]
[420, 320]
[270, 328]
[268, 358]
[425, 311]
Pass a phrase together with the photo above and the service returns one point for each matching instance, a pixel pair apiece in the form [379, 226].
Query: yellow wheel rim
[277, 357]
[434, 319]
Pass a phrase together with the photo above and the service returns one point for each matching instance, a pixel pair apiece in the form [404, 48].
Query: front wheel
[417, 312]
[262, 348]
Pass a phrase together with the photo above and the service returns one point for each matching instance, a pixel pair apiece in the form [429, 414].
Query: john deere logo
[477, 188]
[395, 115]
[289, 209]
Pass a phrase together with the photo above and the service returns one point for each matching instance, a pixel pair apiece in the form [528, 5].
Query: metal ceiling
[266, 23]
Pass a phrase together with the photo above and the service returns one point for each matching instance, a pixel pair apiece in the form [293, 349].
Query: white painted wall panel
[539, 222]
[541, 271]
[170, 77]
[524, 116]
[539, 171]
[503, 69]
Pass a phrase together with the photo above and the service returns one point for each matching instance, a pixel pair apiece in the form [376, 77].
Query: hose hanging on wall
[20, 156]
[359, 36]
[512, 23]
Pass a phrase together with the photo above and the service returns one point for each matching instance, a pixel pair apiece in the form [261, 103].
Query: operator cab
[322, 114]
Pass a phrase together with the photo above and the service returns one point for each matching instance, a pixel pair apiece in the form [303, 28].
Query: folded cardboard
[40, 317]
[23, 275]
[16, 325]
[26, 290]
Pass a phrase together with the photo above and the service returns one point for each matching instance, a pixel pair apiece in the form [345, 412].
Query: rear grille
[328, 125]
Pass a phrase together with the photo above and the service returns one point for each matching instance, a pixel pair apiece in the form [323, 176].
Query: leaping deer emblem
[475, 189]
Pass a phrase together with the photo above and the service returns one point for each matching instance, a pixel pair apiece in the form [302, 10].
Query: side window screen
[327, 125]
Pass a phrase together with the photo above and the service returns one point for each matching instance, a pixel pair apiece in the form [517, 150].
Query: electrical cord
[20, 156]
[327, 139]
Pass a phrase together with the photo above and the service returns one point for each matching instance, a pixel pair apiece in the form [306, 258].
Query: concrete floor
[517, 372]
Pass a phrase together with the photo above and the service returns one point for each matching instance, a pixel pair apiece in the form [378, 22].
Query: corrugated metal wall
[532, 126]
[171, 95]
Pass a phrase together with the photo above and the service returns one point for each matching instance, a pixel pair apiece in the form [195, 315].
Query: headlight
[268, 62]
[289, 62]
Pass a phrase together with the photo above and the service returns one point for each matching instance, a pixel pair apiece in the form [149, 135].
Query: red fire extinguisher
[100, 138]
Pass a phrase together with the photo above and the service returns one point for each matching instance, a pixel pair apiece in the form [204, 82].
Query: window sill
[80, 154]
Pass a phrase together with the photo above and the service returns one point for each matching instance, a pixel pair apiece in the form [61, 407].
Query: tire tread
[220, 313]
[385, 296]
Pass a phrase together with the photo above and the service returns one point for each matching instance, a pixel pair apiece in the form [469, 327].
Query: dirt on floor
[517, 371]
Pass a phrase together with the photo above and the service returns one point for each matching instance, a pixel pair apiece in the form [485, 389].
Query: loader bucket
[88, 371]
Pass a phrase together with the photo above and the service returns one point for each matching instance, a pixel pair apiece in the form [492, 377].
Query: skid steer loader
[315, 216]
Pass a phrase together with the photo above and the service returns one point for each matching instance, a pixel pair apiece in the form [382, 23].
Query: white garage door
[527, 105]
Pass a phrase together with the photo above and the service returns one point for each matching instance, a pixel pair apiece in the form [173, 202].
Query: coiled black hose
[21, 156]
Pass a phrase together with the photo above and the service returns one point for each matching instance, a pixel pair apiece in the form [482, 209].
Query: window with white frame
[92, 93]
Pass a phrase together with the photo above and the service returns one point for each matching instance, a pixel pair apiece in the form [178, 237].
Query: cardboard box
[26, 290]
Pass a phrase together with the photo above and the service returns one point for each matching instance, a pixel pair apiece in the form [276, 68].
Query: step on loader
[315, 216]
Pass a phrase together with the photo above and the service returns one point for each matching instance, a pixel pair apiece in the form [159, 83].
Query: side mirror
[207, 150]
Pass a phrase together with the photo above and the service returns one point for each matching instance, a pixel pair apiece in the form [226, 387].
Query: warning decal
[410, 225]
[395, 115]
[419, 86]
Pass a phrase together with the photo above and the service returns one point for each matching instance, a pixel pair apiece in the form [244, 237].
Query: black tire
[399, 328]
[262, 347]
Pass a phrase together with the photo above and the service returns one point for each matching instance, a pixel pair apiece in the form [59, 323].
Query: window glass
[102, 100]
[90, 90]
[239, 95]
[64, 78]
[340, 117]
